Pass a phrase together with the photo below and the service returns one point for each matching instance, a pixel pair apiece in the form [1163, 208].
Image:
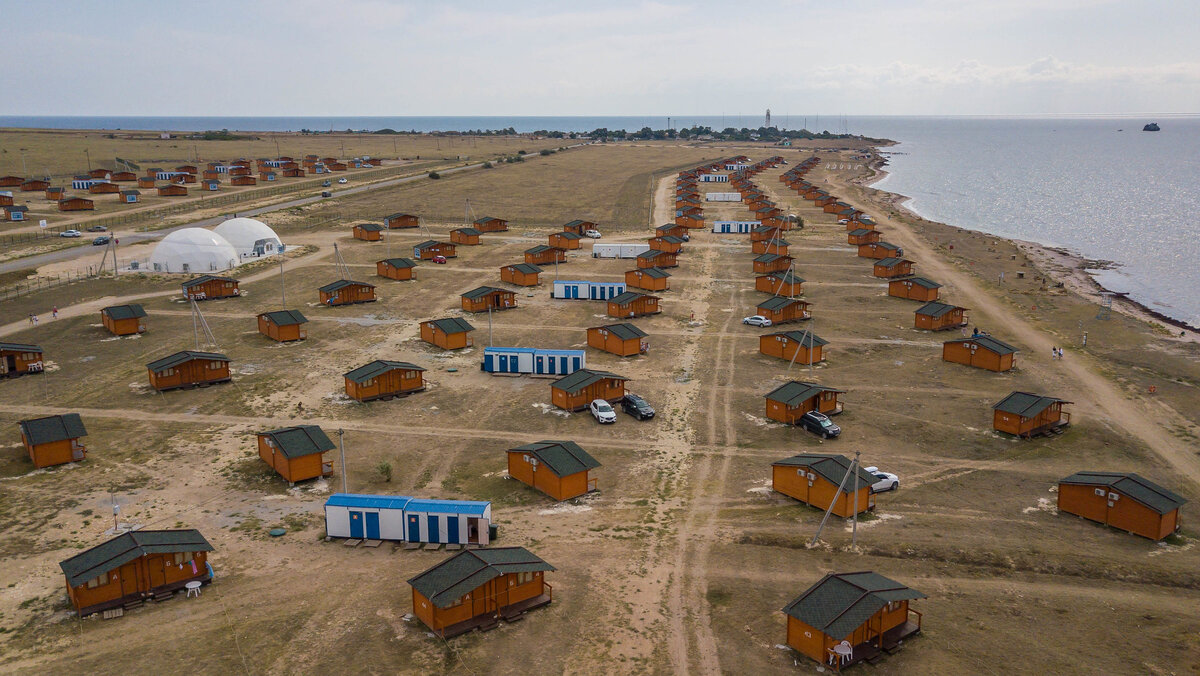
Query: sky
[536, 57]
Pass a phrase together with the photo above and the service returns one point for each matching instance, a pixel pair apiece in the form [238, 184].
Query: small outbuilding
[801, 347]
[521, 274]
[484, 298]
[53, 440]
[243, 180]
[768, 263]
[914, 288]
[429, 249]
[667, 243]
[781, 309]
[208, 287]
[405, 519]
[452, 333]
[565, 240]
[860, 236]
[891, 267]
[545, 255]
[17, 359]
[980, 351]
[131, 196]
[879, 250]
[633, 304]
[623, 340]
[576, 391]
[579, 227]
[383, 379]
[770, 246]
[171, 190]
[657, 259]
[15, 212]
[489, 224]
[784, 283]
[146, 182]
[283, 325]
[104, 188]
[791, 400]
[938, 316]
[465, 236]
[296, 453]
[400, 269]
[368, 232]
[347, 292]
[124, 320]
[398, 221]
[76, 204]
[1122, 500]
[817, 478]
[189, 368]
[1028, 415]
[648, 279]
[557, 468]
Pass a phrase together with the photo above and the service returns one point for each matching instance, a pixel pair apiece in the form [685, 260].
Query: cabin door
[452, 530]
[356, 525]
[503, 359]
[539, 365]
[156, 567]
[10, 363]
[434, 535]
[372, 523]
[414, 528]
[128, 575]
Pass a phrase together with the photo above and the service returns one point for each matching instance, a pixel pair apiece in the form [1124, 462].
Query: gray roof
[794, 392]
[542, 248]
[131, 311]
[671, 239]
[429, 243]
[20, 347]
[341, 284]
[805, 338]
[301, 440]
[988, 343]
[830, 466]
[399, 262]
[451, 325]
[624, 331]
[527, 268]
[182, 358]
[891, 262]
[577, 222]
[859, 232]
[842, 602]
[470, 569]
[285, 317]
[131, 192]
[398, 215]
[787, 277]
[1136, 487]
[206, 278]
[1025, 404]
[936, 309]
[770, 258]
[52, 428]
[128, 547]
[653, 253]
[488, 219]
[563, 458]
[581, 379]
[656, 273]
[780, 302]
[467, 231]
[377, 368]
[567, 234]
[628, 297]
[370, 227]
[924, 282]
[884, 245]
[481, 291]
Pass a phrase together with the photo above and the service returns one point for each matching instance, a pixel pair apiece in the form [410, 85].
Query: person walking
[1054, 352]
[35, 320]
[54, 312]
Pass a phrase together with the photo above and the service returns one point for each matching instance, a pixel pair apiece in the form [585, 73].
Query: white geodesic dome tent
[250, 237]
[193, 250]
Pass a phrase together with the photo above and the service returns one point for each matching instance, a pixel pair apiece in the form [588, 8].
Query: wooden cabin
[765, 233]
[632, 304]
[55, 193]
[557, 468]
[815, 479]
[690, 220]
[400, 269]
[368, 232]
[666, 243]
[429, 249]
[465, 236]
[670, 229]
[53, 440]
[34, 185]
[188, 368]
[623, 340]
[146, 182]
[863, 236]
[801, 347]
[576, 391]
[892, 267]
[123, 177]
[780, 283]
[293, 172]
[283, 325]
[453, 333]
[793, 399]
[770, 246]
[135, 567]
[104, 188]
[347, 292]
[383, 379]
[6, 198]
[172, 190]
[980, 351]
[15, 212]
[565, 240]
[211, 175]
[398, 221]
[579, 227]
[268, 176]
[938, 316]
[296, 453]
[484, 298]
[648, 279]
[476, 588]
[545, 255]
[521, 274]
[76, 204]
[1028, 415]
[489, 224]
[11, 181]
[17, 359]
[914, 288]
[657, 259]
[1121, 500]
[243, 180]
[781, 309]
[124, 320]
[208, 287]
[864, 615]
[879, 250]
[768, 263]
[130, 196]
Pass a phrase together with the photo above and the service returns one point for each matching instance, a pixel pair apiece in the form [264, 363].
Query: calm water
[1126, 196]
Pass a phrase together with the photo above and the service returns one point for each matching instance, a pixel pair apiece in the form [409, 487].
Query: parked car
[70, 233]
[819, 423]
[594, 234]
[97, 228]
[439, 259]
[602, 411]
[685, 237]
[342, 180]
[843, 221]
[887, 480]
[756, 320]
[101, 240]
[326, 184]
[326, 193]
[637, 407]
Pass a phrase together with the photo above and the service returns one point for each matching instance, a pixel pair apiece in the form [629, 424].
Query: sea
[1099, 187]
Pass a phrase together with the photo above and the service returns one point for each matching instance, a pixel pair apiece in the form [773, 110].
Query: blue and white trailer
[168, 175]
[580, 290]
[532, 361]
[407, 519]
[735, 226]
[85, 183]
[714, 178]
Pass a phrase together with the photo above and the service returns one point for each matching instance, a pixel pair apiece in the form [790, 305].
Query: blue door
[452, 529]
[372, 525]
[576, 364]
[489, 363]
[562, 365]
[539, 365]
[417, 252]
[356, 524]
[414, 528]
[434, 536]
[503, 363]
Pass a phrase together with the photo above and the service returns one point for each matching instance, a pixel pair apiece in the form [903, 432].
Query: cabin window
[98, 581]
[1101, 492]
[183, 557]
[168, 372]
[459, 601]
[525, 578]
[214, 365]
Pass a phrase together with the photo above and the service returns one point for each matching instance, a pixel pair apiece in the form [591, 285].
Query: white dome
[250, 237]
[193, 250]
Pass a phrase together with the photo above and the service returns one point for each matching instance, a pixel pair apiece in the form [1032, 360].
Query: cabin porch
[1054, 427]
[514, 612]
[874, 648]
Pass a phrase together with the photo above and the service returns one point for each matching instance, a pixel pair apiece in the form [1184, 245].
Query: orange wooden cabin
[124, 176]
[657, 259]
[489, 224]
[860, 236]
[938, 316]
[17, 359]
[189, 368]
[579, 227]
[146, 182]
[521, 274]
[293, 172]
[801, 347]
[780, 283]
[429, 249]
[124, 320]
[576, 391]
[914, 288]
[557, 468]
[208, 287]
[397, 221]
[847, 618]
[879, 250]
[296, 453]
[765, 233]
[400, 269]
[14, 212]
[465, 236]
[781, 309]
[817, 479]
[135, 567]
[980, 351]
[347, 292]
[476, 588]
[667, 243]
[565, 240]
[1121, 500]
[793, 399]
[53, 440]
[545, 255]
[103, 188]
[768, 263]
[452, 333]
[243, 180]
[770, 246]
[34, 185]
[1028, 415]
[130, 196]
[76, 204]
[690, 220]
[283, 325]
[671, 229]
[648, 279]
[484, 298]
[383, 379]
[623, 340]
[172, 190]
[891, 267]
[11, 181]
[368, 232]
[632, 304]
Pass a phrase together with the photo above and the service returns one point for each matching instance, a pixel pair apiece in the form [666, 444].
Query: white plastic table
[193, 586]
[843, 652]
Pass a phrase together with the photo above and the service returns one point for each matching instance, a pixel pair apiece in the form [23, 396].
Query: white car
[756, 320]
[594, 234]
[602, 411]
[887, 480]
[843, 221]
[70, 233]
[342, 180]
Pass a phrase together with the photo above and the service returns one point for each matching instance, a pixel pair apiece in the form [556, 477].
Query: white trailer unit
[714, 178]
[405, 519]
[723, 197]
[618, 250]
[579, 290]
[735, 226]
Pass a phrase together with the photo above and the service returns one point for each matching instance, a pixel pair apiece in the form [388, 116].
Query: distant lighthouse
[767, 120]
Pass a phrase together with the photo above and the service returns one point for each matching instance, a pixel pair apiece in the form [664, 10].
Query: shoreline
[1061, 264]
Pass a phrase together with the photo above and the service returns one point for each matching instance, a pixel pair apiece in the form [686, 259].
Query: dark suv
[637, 407]
[819, 423]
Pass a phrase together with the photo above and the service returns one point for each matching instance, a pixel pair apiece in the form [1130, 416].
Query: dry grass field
[682, 560]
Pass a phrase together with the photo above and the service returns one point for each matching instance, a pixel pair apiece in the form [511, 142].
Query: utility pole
[342, 446]
[854, 532]
[282, 286]
[841, 487]
[24, 170]
[89, 158]
[490, 326]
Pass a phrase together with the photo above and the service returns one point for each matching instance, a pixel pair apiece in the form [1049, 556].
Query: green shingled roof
[786, 277]
[841, 602]
[481, 291]
[859, 232]
[182, 358]
[206, 278]
[377, 368]
[581, 379]
[805, 338]
[1136, 487]
[124, 311]
[576, 223]
[779, 302]
[988, 343]
[295, 442]
[129, 546]
[541, 248]
[52, 428]
[563, 458]
[831, 467]
[469, 232]
[656, 273]
[285, 317]
[370, 227]
[794, 392]
[341, 284]
[567, 234]
[20, 347]
[526, 268]
[624, 331]
[399, 262]
[628, 297]
[1025, 404]
[924, 282]
[468, 570]
[936, 309]
[769, 258]
[891, 262]
[489, 219]
[452, 325]
[430, 243]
